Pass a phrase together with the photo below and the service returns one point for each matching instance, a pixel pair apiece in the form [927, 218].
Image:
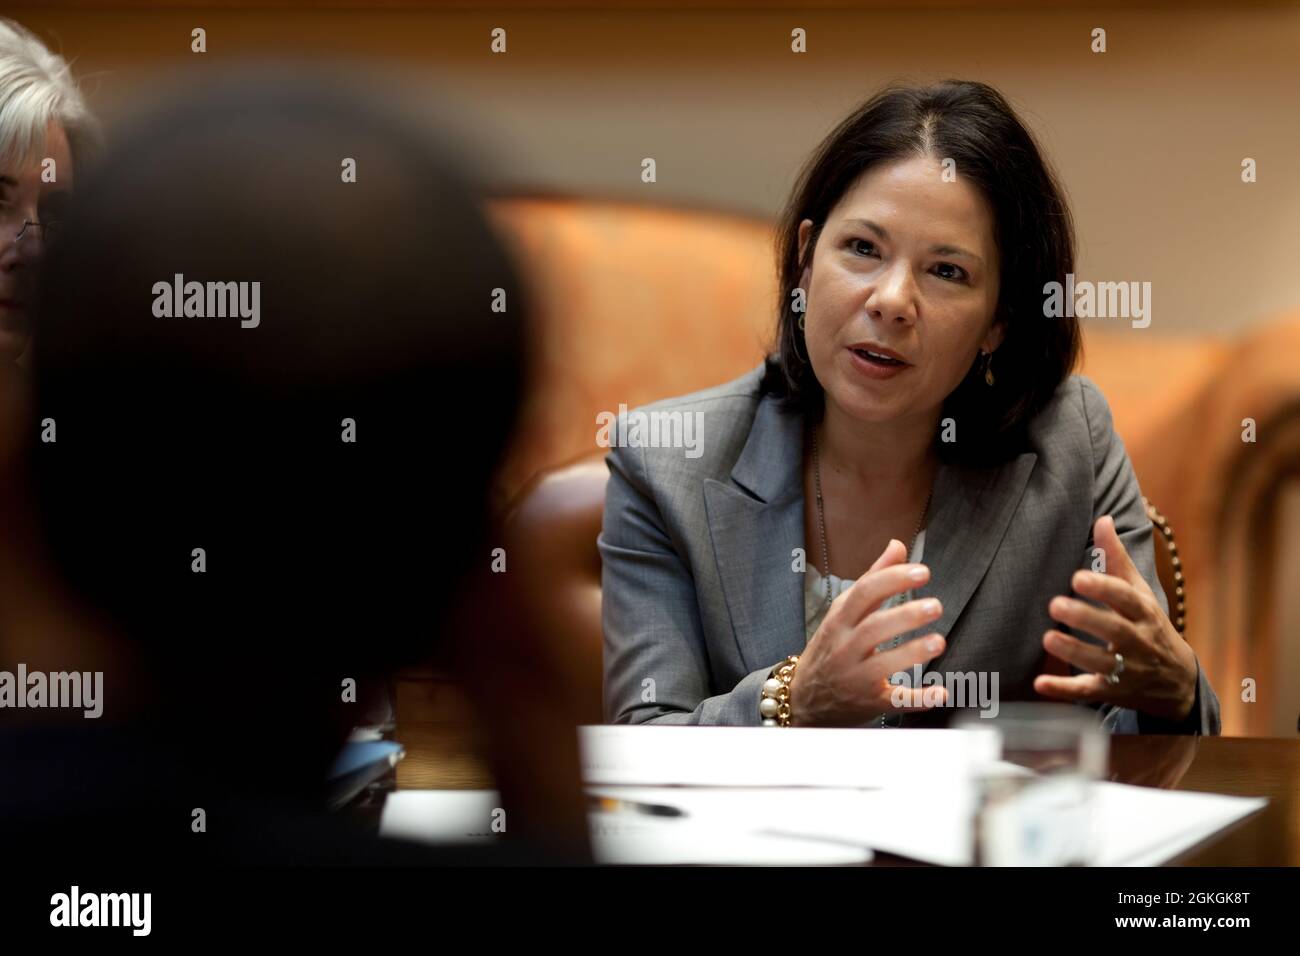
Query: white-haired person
[46, 136]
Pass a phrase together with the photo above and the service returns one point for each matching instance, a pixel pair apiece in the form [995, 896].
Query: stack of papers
[748, 795]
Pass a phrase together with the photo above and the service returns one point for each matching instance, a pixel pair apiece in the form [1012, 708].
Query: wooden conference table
[443, 752]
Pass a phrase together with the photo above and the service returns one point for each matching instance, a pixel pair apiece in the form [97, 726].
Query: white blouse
[814, 592]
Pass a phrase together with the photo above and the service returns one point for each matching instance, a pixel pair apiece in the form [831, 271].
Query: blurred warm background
[648, 290]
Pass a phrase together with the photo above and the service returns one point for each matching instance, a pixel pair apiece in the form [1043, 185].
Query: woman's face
[25, 194]
[907, 263]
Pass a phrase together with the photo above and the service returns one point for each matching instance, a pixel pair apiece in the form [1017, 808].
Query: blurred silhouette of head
[328, 448]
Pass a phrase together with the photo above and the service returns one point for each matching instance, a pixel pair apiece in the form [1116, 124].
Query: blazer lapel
[756, 521]
[972, 510]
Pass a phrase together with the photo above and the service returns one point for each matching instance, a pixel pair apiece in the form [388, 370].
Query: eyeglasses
[34, 234]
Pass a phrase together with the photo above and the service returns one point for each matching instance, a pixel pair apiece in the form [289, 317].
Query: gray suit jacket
[700, 600]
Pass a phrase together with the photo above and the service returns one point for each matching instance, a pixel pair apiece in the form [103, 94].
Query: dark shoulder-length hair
[972, 124]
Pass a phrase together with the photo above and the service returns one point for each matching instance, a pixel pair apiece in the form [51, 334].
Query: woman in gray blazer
[911, 506]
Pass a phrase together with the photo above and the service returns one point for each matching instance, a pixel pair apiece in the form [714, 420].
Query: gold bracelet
[774, 705]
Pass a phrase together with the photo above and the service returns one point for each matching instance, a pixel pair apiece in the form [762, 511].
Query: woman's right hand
[841, 680]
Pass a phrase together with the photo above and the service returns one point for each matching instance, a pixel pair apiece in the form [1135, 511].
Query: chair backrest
[630, 303]
[1169, 567]
[551, 530]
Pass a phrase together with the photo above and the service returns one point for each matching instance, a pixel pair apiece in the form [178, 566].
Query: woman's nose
[893, 295]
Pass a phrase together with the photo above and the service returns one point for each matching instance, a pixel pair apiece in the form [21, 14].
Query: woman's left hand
[1159, 671]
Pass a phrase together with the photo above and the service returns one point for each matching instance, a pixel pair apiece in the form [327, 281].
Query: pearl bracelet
[774, 705]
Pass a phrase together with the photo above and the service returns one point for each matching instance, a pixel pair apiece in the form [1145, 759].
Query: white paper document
[1132, 826]
[440, 816]
[1143, 826]
[465, 816]
[762, 757]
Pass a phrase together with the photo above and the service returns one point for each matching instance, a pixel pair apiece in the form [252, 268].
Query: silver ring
[1113, 677]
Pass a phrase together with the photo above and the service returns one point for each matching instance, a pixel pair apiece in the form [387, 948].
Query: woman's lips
[875, 368]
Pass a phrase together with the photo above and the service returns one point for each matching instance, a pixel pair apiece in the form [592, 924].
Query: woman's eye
[957, 273]
[853, 243]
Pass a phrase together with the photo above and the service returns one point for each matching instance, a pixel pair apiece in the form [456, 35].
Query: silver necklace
[821, 527]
